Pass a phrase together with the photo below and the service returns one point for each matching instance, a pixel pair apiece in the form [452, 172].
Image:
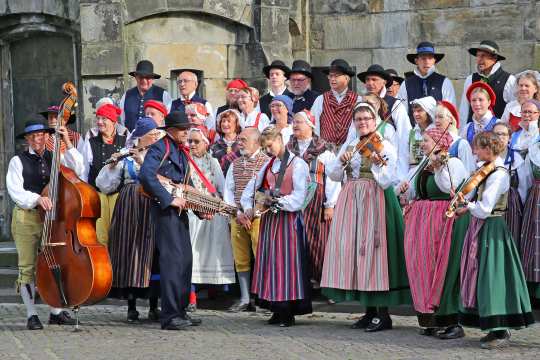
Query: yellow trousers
[244, 243]
[104, 222]
[26, 229]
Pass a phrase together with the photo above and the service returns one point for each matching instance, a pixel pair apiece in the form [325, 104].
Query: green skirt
[447, 313]
[399, 292]
[501, 291]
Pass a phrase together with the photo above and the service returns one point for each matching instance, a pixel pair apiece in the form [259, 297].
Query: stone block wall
[384, 31]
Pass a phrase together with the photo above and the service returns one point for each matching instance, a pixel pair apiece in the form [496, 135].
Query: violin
[438, 159]
[469, 185]
[371, 146]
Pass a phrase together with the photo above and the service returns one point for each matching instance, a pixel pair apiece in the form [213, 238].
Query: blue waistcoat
[134, 104]
[178, 104]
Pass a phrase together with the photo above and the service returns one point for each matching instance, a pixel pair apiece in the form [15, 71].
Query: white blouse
[496, 184]
[250, 119]
[465, 153]
[385, 176]
[293, 201]
[514, 108]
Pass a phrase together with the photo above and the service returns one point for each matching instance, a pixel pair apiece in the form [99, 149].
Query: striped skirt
[529, 245]
[514, 215]
[131, 240]
[317, 232]
[281, 271]
[356, 253]
[428, 235]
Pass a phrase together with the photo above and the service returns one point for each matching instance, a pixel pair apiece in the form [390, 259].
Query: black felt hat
[341, 66]
[145, 68]
[425, 47]
[54, 109]
[302, 67]
[177, 119]
[33, 126]
[393, 73]
[276, 64]
[489, 47]
[377, 70]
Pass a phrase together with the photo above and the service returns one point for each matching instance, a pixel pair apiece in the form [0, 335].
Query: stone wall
[384, 31]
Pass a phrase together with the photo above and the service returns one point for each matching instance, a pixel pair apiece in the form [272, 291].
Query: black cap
[489, 47]
[341, 66]
[425, 47]
[276, 64]
[33, 126]
[302, 67]
[145, 68]
[377, 70]
[177, 119]
[393, 73]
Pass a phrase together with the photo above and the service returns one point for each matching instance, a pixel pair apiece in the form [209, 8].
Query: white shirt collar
[281, 91]
[430, 71]
[341, 94]
[484, 120]
[383, 92]
[189, 97]
[494, 68]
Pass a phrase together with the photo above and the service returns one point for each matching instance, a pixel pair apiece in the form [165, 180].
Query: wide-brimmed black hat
[341, 66]
[145, 68]
[301, 67]
[377, 70]
[489, 47]
[54, 109]
[394, 74]
[33, 126]
[425, 47]
[177, 119]
[276, 64]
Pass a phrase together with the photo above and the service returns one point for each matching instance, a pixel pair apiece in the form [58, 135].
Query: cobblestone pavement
[106, 335]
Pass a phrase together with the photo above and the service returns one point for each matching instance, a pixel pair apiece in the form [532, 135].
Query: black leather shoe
[242, 307]
[132, 316]
[452, 332]
[430, 331]
[61, 319]
[153, 315]
[191, 308]
[379, 324]
[192, 320]
[177, 324]
[287, 321]
[495, 340]
[274, 320]
[363, 322]
[33, 323]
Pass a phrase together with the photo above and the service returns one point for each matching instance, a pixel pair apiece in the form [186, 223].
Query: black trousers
[175, 261]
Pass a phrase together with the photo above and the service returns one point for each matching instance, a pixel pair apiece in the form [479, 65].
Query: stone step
[8, 254]
[8, 276]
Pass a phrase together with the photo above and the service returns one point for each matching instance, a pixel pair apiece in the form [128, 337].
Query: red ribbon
[203, 178]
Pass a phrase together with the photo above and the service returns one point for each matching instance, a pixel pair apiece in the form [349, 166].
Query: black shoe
[33, 323]
[274, 320]
[430, 331]
[379, 324]
[177, 324]
[61, 319]
[451, 332]
[242, 307]
[132, 316]
[287, 321]
[496, 340]
[363, 322]
[153, 315]
[192, 320]
[191, 308]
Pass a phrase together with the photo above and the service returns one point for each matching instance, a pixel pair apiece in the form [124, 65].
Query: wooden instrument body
[85, 265]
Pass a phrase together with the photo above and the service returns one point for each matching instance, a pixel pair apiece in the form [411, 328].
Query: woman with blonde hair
[248, 98]
[527, 88]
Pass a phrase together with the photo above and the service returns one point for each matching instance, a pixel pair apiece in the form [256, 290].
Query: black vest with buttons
[415, 89]
[36, 170]
[134, 104]
[101, 152]
[497, 81]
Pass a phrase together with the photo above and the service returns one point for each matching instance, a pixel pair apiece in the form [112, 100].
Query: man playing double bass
[28, 174]
[169, 158]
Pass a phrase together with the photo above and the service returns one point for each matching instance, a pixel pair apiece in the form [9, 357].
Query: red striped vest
[244, 169]
[337, 118]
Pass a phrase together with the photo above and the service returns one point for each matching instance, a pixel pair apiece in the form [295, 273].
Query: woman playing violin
[432, 242]
[364, 257]
[494, 294]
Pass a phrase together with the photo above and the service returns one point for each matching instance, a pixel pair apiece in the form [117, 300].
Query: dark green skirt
[447, 313]
[501, 291]
[399, 292]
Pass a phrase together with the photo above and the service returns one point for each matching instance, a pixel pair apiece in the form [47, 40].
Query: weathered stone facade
[236, 38]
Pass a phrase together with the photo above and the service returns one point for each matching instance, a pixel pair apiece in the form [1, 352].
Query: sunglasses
[193, 141]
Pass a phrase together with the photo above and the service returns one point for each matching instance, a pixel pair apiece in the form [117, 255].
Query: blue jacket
[174, 167]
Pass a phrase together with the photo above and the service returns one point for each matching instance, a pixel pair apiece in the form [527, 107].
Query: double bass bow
[73, 268]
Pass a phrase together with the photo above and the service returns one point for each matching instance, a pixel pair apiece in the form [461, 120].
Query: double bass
[73, 268]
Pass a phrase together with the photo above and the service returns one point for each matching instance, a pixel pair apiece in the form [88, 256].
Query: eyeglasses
[528, 112]
[183, 81]
[334, 76]
[364, 119]
[194, 141]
